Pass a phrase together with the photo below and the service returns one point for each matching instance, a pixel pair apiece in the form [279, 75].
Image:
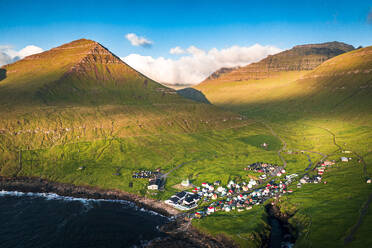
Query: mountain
[339, 85]
[299, 58]
[80, 72]
[81, 92]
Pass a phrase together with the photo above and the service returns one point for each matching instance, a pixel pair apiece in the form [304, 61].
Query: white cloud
[198, 64]
[138, 41]
[176, 50]
[5, 59]
[29, 50]
[9, 55]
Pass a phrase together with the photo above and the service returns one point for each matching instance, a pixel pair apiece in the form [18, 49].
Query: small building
[344, 159]
[217, 183]
[210, 210]
[328, 163]
[198, 215]
[154, 184]
[185, 183]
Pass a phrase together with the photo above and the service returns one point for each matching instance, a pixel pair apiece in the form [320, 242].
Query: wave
[85, 201]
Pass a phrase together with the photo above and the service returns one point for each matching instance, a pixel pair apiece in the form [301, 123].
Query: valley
[91, 120]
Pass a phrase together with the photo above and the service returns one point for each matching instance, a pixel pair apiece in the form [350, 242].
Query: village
[239, 196]
[209, 198]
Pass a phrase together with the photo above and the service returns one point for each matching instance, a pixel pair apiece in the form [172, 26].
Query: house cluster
[266, 168]
[309, 179]
[184, 200]
[323, 166]
[145, 174]
[290, 178]
[213, 197]
[345, 159]
[238, 198]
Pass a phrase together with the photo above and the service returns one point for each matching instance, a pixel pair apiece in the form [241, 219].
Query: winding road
[284, 144]
[364, 208]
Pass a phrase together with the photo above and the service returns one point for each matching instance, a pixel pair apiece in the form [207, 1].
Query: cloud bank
[176, 50]
[9, 55]
[138, 41]
[197, 64]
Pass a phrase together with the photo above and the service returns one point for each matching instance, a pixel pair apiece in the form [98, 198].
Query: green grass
[300, 108]
[245, 228]
[136, 128]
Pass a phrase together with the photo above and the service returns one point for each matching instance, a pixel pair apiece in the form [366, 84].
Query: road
[364, 208]
[284, 144]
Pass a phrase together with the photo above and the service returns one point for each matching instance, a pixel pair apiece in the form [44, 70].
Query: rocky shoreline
[39, 185]
[180, 232]
[182, 235]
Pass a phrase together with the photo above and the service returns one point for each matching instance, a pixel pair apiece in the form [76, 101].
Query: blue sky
[204, 24]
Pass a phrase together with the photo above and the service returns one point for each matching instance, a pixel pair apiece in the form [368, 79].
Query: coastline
[39, 185]
[178, 235]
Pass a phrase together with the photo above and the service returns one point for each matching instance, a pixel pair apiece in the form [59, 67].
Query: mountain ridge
[299, 58]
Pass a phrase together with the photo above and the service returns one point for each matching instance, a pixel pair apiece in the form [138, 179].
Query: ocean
[40, 220]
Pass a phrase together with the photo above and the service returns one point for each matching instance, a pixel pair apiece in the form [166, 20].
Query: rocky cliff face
[299, 58]
[220, 72]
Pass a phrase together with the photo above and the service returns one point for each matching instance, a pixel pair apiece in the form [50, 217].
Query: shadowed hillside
[193, 94]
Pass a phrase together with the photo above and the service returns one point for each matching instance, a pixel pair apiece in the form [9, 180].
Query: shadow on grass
[2, 74]
[193, 94]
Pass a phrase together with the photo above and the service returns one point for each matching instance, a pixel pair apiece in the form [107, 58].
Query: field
[96, 127]
[324, 111]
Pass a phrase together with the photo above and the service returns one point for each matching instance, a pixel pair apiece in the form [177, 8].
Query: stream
[280, 235]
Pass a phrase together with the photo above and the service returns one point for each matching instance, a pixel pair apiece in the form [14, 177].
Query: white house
[185, 183]
[344, 159]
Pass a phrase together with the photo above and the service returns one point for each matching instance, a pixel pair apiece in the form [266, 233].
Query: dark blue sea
[47, 220]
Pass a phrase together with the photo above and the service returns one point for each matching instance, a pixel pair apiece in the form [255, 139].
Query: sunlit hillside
[81, 92]
[325, 111]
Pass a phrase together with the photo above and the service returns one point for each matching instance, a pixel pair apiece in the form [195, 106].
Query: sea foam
[85, 201]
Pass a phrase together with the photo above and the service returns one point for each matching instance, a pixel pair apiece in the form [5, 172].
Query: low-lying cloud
[138, 41]
[197, 64]
[9, 55]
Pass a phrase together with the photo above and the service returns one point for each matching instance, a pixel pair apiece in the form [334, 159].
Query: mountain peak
[80, 71]
[330, 45]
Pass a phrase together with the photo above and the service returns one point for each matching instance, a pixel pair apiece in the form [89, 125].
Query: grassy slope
[146, 130]
[301, 107]
[80, 93]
